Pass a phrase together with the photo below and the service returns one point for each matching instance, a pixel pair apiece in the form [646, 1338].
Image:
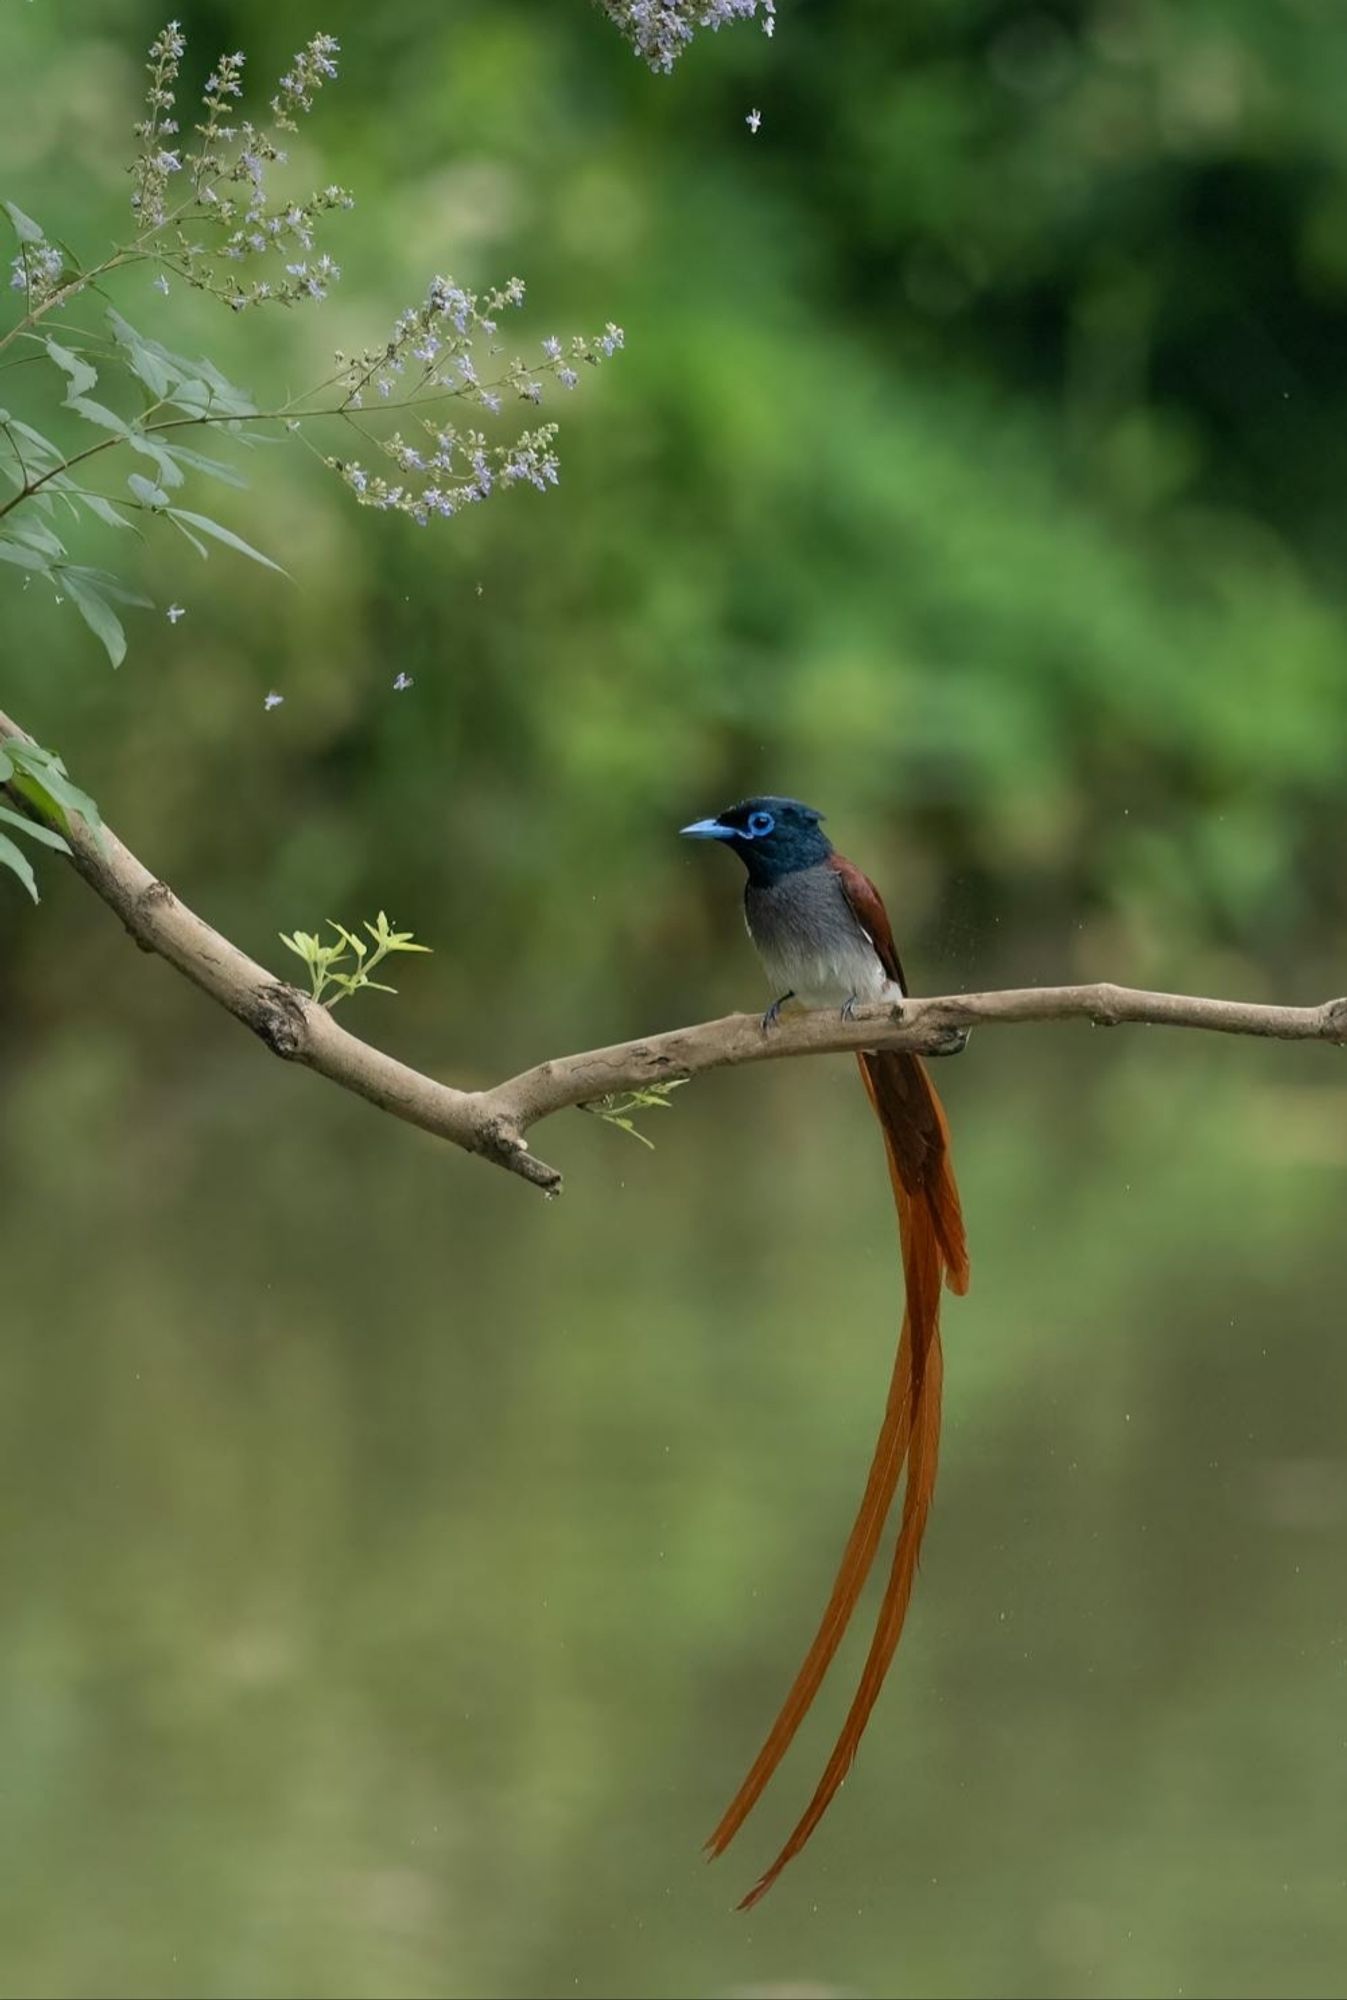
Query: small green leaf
[34, 536]
[158, 378]
[149, 447]
[191, 385]
[82, 376]
[164, 366]
[148, 361]
[617, 1107]
[195, 540]
[196, 398]
[25, 228]
[17, 553]
[35, 830]
[146, 491]
[328, 963]
[97, 413]
[48, 454]
[96, 612]
[110, 586]
[214, 468]
[15, 859]
[103, 509]
[45, 780]
[202, 399]
[357, 945]
[224, 395]
[225, 535]
[6, 768]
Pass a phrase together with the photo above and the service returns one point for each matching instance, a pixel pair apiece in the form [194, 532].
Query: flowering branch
[660, 30]
[494, 1122]
[206, 215]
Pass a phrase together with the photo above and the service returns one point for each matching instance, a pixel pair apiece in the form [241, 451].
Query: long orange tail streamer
[930, 1228]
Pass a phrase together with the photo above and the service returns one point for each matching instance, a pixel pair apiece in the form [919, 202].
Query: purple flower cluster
[455, 470]
[223, 210]
[156, 162]
[36, 271]
[314, 66]
[434, 354]
[660, 30]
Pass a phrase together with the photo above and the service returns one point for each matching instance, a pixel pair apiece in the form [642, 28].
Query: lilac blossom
[660, 30]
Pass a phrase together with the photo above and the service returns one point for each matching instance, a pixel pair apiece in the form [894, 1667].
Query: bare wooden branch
[931, 1027]
[493, 1123]
[292, 1025]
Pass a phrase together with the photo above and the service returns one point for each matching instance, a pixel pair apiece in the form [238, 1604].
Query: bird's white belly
[829, 977]
[811, 942]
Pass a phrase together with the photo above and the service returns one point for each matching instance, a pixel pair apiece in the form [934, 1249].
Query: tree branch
[493, 1123]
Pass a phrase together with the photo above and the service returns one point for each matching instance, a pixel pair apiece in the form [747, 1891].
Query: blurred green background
[398, 1570]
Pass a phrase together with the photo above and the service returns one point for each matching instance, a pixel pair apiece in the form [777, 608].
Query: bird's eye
[760, 824]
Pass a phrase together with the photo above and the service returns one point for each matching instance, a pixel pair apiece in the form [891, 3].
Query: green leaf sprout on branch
[619, 1107]
[347, 964]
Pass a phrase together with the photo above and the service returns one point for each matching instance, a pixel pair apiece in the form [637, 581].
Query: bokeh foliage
[398, 1570]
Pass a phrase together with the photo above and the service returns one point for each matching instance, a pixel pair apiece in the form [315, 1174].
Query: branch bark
[493, 1123]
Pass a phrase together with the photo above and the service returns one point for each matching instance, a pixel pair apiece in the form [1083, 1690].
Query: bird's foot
[773, 1014]
[949, 1042]
[849, 1007]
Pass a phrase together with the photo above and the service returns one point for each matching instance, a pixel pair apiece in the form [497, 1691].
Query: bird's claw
[849, 1007]
[951, 1042]
[773, 1014]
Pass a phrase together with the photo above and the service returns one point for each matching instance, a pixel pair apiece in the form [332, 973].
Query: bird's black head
[772, 837]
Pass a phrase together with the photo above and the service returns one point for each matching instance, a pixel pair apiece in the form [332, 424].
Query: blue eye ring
[760, 824]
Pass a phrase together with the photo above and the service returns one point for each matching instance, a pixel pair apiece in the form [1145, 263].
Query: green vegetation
[346, 965]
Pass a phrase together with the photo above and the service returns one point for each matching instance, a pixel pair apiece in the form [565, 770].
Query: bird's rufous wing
[873, 918]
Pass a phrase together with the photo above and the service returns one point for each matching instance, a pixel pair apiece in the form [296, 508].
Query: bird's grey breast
[811, 941]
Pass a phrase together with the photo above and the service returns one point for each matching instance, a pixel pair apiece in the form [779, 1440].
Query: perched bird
[824, 940]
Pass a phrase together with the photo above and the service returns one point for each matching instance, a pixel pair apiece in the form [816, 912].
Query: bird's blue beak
[708, 829]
